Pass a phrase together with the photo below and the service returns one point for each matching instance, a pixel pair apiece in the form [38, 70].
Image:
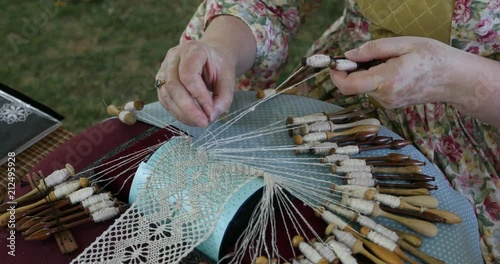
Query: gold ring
[159, 83]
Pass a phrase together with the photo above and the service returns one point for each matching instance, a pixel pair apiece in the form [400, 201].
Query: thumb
[222, 96]
[385, 48]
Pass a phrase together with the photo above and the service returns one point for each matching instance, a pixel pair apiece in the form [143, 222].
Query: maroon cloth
[80, 151]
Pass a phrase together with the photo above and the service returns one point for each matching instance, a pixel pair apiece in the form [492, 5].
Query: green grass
[83, 52]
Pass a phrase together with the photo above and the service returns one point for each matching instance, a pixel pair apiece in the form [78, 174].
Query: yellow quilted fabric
[423, 18]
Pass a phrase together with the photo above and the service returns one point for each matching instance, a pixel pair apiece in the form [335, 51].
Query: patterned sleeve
[272, 22]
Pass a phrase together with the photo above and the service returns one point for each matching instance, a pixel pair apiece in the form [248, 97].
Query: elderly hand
[191, 71]
[417, 70]
[200, 75]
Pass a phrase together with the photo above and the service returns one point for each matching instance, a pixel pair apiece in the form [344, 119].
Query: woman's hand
[417, 70]
[191, 72]
[200, 75]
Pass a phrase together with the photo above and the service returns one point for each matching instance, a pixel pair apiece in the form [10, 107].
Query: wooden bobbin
[326, 136]
[419, 254]
[261, 94]
[135, 105]
[382, 253]
[40, 189]
[46, 233]
[112, 110]
[412, 239]
[449, 217]
[403, 192]
[127, 117]
[261, 260]
[419, 226]
[358, 248]
[298, 242]
[364, 231]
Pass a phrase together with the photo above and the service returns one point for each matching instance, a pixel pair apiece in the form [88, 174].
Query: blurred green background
[73, 55]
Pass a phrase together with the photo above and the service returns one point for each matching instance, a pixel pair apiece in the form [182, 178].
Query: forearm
[479, 82]
[234, 38]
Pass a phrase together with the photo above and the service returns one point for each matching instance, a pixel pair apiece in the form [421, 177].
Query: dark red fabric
[80, 151]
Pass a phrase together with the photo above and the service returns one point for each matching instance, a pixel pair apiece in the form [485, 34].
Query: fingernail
[214, 115]
[201, 121]
[351, 53]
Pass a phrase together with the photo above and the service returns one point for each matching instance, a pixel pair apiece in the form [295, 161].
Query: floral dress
[465, 149]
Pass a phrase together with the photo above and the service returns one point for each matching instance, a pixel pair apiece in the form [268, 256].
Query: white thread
[318, 61]
[342, 252]
[105, 214]
[345, 65]
[309, 119]
[348, 239]
[347, 150]
[122, 116]
[269, 92]
[356, 192]
[352, 188]
[305, 148]
[312, 137]
[296, 131]
[129, 106]
[309, 252]
[320, 126]
[349, 214]
[360, 205]
[361, 182]
[66, 188]
[334, 158]
[330, 218]
[368, 222]
[96, 198]
[81, 195]
[101, 205]
[56, 177]
[359, 174]
[323, 148]
[389, 200]
[381, 240]
[325, 251]
[346, 169]
[353, 162]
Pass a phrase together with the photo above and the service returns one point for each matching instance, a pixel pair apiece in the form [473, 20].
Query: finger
[381, 49]
[180, 102]
[359, 82]
[190, 74]
[223, 95]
